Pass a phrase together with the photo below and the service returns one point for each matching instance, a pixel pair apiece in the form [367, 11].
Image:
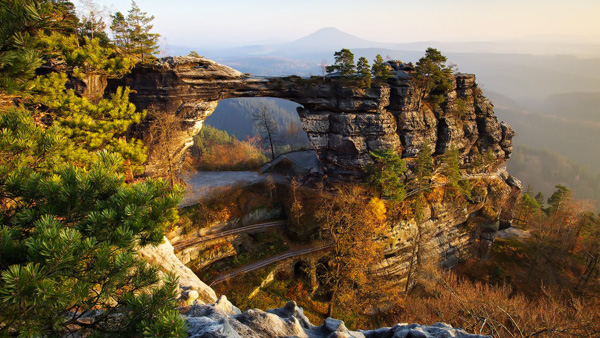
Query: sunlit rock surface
[222, 319]
[343, 122]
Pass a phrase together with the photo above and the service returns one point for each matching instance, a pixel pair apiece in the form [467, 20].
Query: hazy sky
[199, 23]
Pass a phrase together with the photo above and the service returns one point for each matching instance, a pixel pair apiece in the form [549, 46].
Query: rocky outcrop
[449, 228]
[192, 289]
[343, 122]
[222, 319]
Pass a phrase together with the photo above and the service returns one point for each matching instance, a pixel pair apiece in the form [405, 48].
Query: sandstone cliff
[343, 122]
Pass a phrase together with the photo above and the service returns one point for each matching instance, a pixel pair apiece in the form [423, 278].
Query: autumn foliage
[217, 150]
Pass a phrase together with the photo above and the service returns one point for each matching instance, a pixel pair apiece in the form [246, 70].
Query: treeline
[70, 225]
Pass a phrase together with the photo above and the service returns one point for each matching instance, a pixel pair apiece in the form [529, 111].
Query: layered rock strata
[343, 122]
[448, 229]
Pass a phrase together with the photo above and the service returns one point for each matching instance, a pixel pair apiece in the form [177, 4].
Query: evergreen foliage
[461, 108]
[132, 34]
[92, 23]
[451, 168]
[559, 197]
[384, 174]
[423, 166]
[364, 72]
[344, 63]
[380, 70]
[88, 56]
[59, 16]
[70, 227]
[90, 127]
[18, 61]
[68, 241]
[432, 77]
[23, 145]
[525, 207]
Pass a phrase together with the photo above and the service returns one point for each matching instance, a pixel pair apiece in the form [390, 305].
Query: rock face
[449, 229]
[343, 122]
[222, 319]
[191, 287]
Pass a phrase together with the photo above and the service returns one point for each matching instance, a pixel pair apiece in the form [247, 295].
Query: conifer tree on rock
[451, 168]
[132, 34]
[344, 63]
[384, 174]
[380, 70]
[432, 77]
[92, 22]
[424, 166]
[364, 73]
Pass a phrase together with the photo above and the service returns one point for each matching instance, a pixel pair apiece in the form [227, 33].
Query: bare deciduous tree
[267, 126]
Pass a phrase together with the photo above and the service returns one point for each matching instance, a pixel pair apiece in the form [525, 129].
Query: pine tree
[432, 77]
[120, 35]
[489, 159]
[423, 166]
[380, 70]
[364, 72]
[384, 174]
[451, 168]
[18, 60]
[132, 34]
[344, 63]
[59, 16]
[68, 241]
[83, 55]
[90, 127]
[540, 199]
[558, 198]
[92, 23]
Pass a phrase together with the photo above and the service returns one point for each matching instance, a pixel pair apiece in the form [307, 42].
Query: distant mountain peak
[329, 37]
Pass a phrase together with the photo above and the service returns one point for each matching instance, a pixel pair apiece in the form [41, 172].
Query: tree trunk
[330, 307]
[270, 141]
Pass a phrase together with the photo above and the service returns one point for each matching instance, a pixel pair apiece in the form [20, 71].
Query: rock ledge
[222, 319]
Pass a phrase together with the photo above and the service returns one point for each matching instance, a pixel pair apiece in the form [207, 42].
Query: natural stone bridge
[343, 122]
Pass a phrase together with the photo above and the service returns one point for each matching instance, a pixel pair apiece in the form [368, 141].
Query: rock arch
[343, 122]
